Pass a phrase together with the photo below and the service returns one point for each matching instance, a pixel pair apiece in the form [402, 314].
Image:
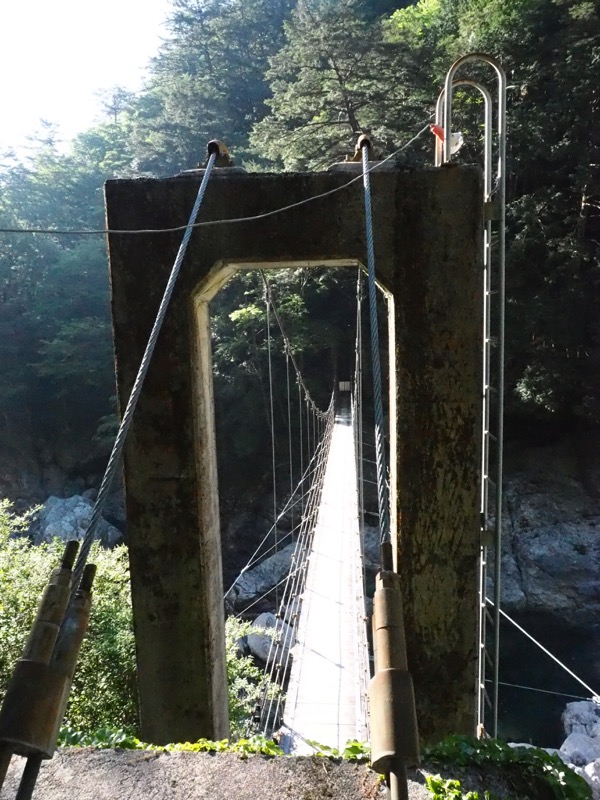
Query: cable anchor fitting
[364, 140]
[37, 694]
[219, 148]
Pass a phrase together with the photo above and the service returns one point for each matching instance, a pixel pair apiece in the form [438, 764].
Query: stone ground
[89, 774]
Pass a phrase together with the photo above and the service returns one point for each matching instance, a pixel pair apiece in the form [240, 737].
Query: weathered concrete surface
[437, 285]
[427, 237]
[135, 775]
[89, 774]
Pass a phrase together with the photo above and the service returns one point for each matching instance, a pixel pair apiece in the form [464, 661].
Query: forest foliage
[103, 695]
[288, 84]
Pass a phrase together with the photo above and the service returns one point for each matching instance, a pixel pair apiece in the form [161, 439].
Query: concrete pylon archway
[428, 227]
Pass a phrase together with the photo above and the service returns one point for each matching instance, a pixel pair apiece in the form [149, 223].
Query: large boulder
[270, 640]
[582, 717]
[68, 518]
[550, 545]
[255, 582]
[591, 774]
[581, 748]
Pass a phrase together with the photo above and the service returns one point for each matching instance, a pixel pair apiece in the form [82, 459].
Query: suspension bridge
[327, 692]
[439, 488]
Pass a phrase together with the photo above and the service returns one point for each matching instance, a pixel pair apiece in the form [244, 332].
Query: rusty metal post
[394, 733]
[37, 694]
[6, 755]
[29, 778]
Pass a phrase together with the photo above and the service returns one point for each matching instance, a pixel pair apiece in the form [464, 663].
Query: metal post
[398, 782]
[6, 755]
[29, 778]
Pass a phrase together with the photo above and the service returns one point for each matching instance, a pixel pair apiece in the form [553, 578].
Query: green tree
[207, 81]
[326, 86]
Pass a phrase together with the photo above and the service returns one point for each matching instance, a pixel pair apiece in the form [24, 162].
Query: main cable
[288, 348]
[208, 223]
[125, 425]
[382, 485]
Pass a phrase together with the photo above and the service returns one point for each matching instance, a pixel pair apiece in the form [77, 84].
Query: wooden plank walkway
[326, 697]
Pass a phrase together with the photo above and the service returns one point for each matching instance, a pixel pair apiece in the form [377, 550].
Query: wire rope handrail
[253, 559]
[382, 484]
[209, 223]
[595, 696]
[275, 671]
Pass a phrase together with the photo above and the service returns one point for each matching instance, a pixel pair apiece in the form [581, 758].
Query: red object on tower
[438, 131]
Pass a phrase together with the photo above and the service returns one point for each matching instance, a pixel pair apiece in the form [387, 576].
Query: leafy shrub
[247, 683]
[109, 739]
[353, 750]
[104, 695]
[533, 772]
[450, 790]
[103, 692]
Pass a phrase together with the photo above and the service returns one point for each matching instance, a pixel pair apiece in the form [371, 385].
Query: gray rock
[270, 640]
[255, 582]
[579, 749]
[582, 717]
[68, 518]
[591, 774]
[551, 545]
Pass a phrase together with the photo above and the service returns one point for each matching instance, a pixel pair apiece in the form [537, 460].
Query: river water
[535, 717]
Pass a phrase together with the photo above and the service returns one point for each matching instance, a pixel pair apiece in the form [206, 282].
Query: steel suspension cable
[309, 420]
[290, 503]
[301, 581]
[301, 442]
[289, 420]
[272, 413]
[297, 571]
[210, 223]
[358, 370]
[255, 558]
[382, 485]
[297, 566]
[125, 425]
[310, 520]
[288, 346]
[545, 650]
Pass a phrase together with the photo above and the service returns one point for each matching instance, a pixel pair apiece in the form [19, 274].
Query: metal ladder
[492, 367]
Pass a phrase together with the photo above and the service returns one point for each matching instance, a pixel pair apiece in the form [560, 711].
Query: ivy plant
[533, 772]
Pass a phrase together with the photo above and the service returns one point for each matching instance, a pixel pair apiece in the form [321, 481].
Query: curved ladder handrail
[500, 192]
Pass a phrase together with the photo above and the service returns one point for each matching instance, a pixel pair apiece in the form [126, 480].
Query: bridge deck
[326, 694]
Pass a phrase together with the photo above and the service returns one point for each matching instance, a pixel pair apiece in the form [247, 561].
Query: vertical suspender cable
[289, 415]
[382, 486]
[125, 425]
[301, 447]
[358, 395]
[272, 413]
[308, 448]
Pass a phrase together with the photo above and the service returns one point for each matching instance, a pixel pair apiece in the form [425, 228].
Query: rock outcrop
[255, 582]
[270, 640]
[551, 539]
[581, 748]
[68, 518]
